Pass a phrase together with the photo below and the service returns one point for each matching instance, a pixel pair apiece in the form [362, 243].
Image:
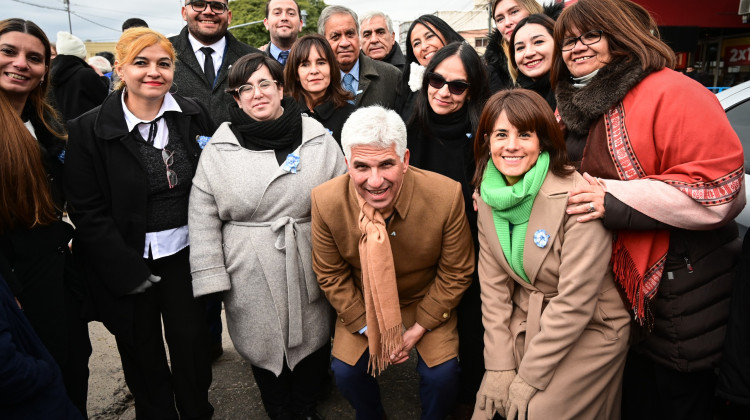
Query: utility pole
[67, 7]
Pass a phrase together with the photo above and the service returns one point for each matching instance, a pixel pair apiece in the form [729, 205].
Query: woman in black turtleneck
[440, 139]
[532, 48]
[249, 219]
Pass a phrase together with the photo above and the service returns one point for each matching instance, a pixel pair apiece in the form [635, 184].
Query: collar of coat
[581, 107]
[110, 120]
[549, 208]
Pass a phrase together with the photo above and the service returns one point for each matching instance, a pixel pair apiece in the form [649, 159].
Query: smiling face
[534, 49]
[507, 15]
[341, 33]
[206, 26]
[377, 174]
[22, 64]
[377, 40]
[425, 42]
[314, 74]
[149, 76]
[513, 152]
[585, 59]
[442, 101]
[259, 103]
[283, 22]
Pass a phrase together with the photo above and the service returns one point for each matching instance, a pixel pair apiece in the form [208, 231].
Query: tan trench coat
[565, 333]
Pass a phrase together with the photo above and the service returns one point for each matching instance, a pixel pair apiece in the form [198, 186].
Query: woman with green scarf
[556, 329]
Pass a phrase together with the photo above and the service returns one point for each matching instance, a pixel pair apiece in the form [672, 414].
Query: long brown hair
[630, 30]
[25, 198]
[299, 54]
[529, 112]
[37, 98]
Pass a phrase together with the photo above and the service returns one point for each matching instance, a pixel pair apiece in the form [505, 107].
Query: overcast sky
[101, 20]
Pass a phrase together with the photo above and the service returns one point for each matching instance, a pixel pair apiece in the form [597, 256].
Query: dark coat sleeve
[619, 216]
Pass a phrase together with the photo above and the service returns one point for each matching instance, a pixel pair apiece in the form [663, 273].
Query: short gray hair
[369, 15]
[335, 10]
[374, 126]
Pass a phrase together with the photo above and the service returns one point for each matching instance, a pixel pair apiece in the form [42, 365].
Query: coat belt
[533, 317]
[298, 252]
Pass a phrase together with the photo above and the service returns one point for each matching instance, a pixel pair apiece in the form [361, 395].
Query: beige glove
[493, 392]
[519, 395]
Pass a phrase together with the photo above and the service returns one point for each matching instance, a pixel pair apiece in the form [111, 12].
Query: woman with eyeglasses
[668, 180]
[250, 223]
[313, 78]
[532, 51]
[426, 36]
[35, 258]
[128, 175]
[556, 332]
[439, 138]
[507, 14]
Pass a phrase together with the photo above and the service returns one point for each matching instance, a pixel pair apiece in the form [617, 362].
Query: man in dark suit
[372, 82]
[284, 23]
[205, 51]
[379, 40]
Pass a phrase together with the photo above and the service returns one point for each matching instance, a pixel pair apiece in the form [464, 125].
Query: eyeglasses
[245, 91]
[455, 87]
[589, 38]
[216, 6]
[168, 158]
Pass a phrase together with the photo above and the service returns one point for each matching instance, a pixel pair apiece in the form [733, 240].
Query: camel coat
[565, 333]
[433, 256]
[249, 225]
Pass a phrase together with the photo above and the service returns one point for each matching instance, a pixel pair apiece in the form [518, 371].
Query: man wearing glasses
[205, 51]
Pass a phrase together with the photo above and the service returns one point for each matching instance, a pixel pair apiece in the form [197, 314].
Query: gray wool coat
[249, 226]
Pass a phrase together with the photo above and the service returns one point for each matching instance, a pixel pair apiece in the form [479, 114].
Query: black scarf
[280, 133]
[540, 86]
[581, 107]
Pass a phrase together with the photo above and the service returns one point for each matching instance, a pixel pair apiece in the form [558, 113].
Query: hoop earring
[174, 85]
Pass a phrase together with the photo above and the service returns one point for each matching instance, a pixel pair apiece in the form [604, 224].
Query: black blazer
[106, 186]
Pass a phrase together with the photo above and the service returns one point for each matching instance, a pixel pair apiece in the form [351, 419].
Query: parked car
[736, 103]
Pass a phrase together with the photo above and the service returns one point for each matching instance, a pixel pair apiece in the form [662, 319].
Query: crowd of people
[547, 228]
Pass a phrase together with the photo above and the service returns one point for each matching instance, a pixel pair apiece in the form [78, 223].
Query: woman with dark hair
[532, 51]
[426, 36]
[439, 138]
[250, 219]
[507, 14]
[668, 180]
[34, 241]
[312, 77]
[128, 173]
[556, 332]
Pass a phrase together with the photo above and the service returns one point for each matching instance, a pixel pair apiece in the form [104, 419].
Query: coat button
[445, 315]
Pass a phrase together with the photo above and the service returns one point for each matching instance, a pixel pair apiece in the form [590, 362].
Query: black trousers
[470, 343]
[293, 393]
[652, 391]
[155, 387]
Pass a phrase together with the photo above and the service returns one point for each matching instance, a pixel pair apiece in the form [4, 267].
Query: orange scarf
[382, 309]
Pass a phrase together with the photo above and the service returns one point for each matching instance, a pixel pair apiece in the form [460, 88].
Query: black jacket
[333, 119]
[106, 187]
[396, 57]
[190, 81]
[76, 86]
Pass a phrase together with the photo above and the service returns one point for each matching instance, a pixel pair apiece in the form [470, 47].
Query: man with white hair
[371, 82]
[379, 40]
[396, 279]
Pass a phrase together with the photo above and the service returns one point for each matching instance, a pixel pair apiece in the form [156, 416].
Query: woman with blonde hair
[129, 171]
[668, 180]
[34, 252]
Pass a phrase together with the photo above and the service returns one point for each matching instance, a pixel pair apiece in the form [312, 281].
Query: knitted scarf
[382, 309]
[511, 205]
[273, 134]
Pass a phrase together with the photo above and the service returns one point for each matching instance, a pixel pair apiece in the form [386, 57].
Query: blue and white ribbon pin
[291, 163]
[541, 238]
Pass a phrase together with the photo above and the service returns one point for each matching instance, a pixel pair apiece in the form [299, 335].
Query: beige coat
[566, 332]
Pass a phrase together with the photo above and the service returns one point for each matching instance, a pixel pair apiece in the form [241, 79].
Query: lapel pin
[541, 238]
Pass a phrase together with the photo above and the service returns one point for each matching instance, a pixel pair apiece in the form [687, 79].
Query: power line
[40, 5]
[95, 23]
